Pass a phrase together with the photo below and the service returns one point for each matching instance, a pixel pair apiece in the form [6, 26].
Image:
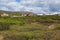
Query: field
[30, 28]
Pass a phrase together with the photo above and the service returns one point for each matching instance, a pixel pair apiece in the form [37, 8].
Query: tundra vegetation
[30, 28]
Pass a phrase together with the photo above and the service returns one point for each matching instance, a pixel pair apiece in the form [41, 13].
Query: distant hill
[14, 12]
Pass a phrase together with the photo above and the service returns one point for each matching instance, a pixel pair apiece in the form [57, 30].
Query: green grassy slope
[30, 28]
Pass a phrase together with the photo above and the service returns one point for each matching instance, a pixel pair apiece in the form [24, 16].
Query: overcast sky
[36, 6]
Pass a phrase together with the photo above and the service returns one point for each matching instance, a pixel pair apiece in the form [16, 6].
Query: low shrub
[4, 26]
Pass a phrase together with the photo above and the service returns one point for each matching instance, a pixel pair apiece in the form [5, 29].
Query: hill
[17, 12]
[30, 28]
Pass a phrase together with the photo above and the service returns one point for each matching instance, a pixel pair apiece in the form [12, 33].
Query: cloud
[4, 8]
[36, 6]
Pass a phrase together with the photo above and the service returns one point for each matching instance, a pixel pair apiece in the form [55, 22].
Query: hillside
[30, 28]
[17, 12]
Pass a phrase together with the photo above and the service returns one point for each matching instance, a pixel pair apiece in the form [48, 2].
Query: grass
[30, 28]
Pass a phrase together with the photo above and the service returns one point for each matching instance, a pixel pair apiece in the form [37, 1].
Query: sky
[36, 6]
